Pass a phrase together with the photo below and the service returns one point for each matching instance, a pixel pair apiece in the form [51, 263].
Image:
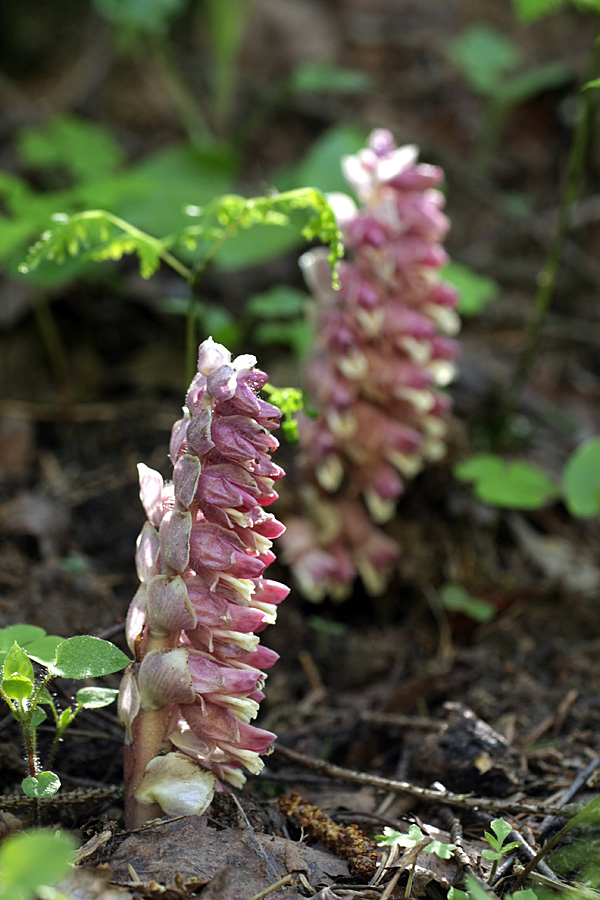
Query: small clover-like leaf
[95, 697]
[441, 850]
[85, 656]
[491, 854]
[41, 786]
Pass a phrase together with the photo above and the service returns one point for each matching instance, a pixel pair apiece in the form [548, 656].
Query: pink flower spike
[193, 624]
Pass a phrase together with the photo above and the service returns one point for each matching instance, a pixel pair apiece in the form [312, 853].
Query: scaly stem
[549, 273]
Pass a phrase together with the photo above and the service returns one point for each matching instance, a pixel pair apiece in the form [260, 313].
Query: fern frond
[232, 212]
[98, 235]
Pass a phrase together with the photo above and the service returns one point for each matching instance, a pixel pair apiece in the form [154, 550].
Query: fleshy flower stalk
[196, 683]
[383, 350]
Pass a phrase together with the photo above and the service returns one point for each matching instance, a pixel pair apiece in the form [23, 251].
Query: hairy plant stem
[548, 275]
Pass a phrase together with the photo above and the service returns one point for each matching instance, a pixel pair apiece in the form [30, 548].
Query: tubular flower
[383, 350]
[188, 700]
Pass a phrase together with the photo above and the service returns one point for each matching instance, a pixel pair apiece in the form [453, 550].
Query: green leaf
[124, 244]
[278, 302]
[84, 148]
[476, 892]
[41, 786]
[172, 179]
[94, 235]
[22, 634]
[501, 829]
[456, 599]
[65, 719]
[530, 10]
[298, 335]
[491, 854]
[43, 650]
[33, 858]
[321, 166]
[391, 837]
[521, 88]
[85, 656]
[581, 480]
[474, 291]
[455, 894]
[304, 209]
[441, 850]
[318, 77]
[95, 697]
[591, 84]
[17, 678]
[143, 16]
[37, 717]
[511, 485]
[484, 56]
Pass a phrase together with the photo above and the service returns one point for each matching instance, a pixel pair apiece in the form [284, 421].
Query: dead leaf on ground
[191, 849]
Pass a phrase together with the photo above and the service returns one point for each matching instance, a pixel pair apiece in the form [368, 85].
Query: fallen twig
[464, 801]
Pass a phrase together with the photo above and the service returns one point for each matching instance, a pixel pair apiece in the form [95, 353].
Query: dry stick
[287, 879]
[464, 801]
[549, 273]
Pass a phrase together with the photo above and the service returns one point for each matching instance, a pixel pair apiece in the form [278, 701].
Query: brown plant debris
[347, 841]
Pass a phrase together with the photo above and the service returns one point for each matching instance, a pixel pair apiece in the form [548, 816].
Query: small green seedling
[491, 63]
[476, 892]
[26, 693]
[455, 599]
[416, 841]
[498, 848]
[32, 861]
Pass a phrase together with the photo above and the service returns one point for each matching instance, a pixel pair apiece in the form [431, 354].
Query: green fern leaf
[96, 235]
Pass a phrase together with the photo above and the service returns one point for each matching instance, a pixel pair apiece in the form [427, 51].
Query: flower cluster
[382, 353]
[197, 681]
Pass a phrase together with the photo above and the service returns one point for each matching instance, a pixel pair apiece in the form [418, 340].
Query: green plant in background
[518, 485]
[455, 599]
[32, 861]
[100, 235]
[475, 291]
[491, 63]
[514, 485]
[26, 693]
[531, 10]
[498, 848]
